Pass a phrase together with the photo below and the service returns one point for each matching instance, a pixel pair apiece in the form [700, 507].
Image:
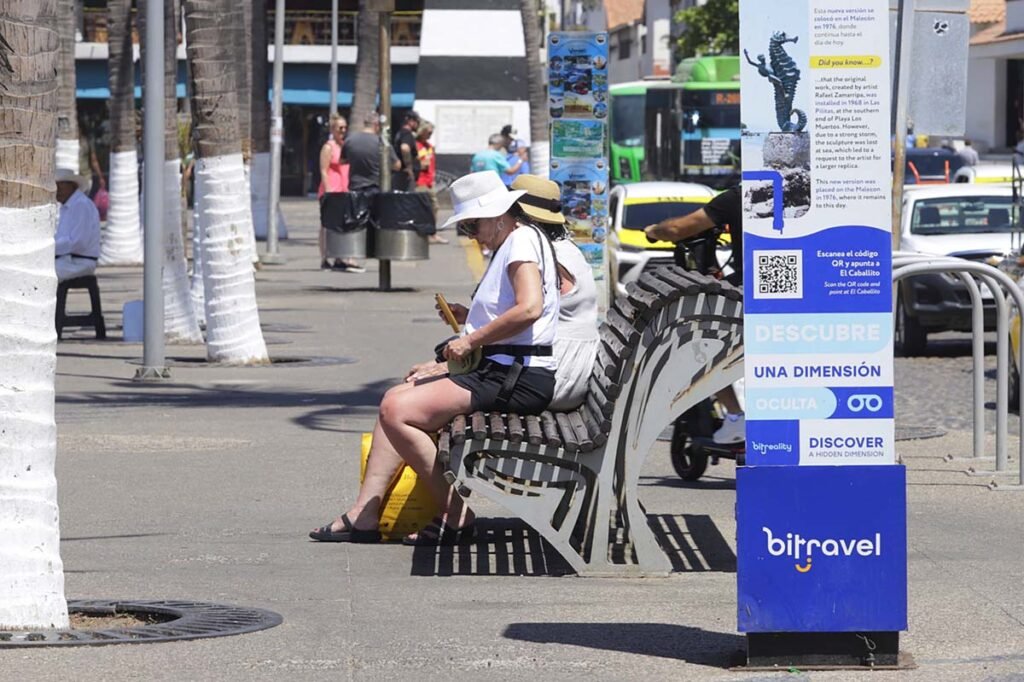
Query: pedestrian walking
[333, 178]
[404, 180]
[518, 153]
[969, 155]
[428, 172]
[494, 158]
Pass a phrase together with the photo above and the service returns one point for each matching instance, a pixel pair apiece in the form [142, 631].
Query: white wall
[986, 102]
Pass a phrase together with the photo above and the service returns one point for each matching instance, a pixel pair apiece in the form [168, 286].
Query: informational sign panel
[817, 213]
[578, 108]
[821, 504]
[821, 549]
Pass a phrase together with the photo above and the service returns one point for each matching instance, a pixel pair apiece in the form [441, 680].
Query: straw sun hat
[543, 199]
[68, 175]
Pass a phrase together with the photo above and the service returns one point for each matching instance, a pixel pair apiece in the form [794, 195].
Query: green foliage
[710, 29]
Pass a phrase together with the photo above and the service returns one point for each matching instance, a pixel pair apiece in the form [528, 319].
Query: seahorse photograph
[776, 102]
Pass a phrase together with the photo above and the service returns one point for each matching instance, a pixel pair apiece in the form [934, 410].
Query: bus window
[627, 120]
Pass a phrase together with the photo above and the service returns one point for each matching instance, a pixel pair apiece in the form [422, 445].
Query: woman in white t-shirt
[510, 323]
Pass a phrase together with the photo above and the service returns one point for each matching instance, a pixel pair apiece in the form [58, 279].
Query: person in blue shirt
[495, 158]
[519, 153]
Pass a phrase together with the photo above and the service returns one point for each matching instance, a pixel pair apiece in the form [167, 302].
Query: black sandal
[443, 535]
[348, 534]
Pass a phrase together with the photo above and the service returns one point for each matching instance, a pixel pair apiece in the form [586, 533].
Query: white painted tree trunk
[122, 239]
[198, 293]
[67, 155]
[250, 227]
[233, 333]
[261, 198]
[180, 324]
[540, 158]
[31, 572]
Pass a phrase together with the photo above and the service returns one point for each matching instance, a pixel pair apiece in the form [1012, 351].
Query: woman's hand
[460, 312]
[458, 349]
[425, 370]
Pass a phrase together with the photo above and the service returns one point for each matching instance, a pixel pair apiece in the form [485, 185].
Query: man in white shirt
[77, 245]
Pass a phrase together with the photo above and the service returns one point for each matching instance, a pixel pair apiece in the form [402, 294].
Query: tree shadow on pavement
[361, 401]
[677, 642]
[508, 547]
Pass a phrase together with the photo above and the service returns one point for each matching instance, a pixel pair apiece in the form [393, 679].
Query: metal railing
[999, 283]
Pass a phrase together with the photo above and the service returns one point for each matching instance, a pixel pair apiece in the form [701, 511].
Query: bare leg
[408, 418]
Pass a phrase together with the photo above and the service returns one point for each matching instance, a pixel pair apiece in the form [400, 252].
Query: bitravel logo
[802, 549]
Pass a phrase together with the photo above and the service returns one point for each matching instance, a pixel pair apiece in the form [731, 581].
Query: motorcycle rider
[725, 209]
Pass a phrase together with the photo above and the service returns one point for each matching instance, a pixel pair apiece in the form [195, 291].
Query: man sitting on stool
[78, 228]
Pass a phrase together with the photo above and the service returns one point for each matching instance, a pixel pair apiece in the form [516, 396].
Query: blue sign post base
[825, 650]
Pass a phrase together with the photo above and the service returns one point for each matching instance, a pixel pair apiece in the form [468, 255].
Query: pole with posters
[578, 109]
[821, 502]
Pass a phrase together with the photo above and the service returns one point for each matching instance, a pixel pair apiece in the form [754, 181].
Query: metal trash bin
[346, 215]
[403, 221]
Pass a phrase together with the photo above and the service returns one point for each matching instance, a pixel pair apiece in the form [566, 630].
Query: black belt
[75, 255]
[516, 368]
[517, 350]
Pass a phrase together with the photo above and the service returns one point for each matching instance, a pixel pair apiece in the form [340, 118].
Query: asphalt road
[204, 488]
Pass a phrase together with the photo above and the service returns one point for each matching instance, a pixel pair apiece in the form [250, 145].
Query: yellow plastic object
[407, 506]
[1015, 339]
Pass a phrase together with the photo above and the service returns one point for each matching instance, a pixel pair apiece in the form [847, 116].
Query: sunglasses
[469, 227]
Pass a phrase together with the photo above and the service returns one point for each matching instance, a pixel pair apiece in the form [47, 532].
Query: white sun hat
[480, 195]
[68, 175]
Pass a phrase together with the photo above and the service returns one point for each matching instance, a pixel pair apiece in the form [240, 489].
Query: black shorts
[532, 394]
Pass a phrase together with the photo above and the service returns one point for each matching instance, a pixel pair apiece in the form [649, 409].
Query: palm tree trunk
[180, 325]
[364, 96]
[540, 145]
[31, 572]
[122, 239]
[67, 106]
[259, 114]
[233, 332]
[243, 43]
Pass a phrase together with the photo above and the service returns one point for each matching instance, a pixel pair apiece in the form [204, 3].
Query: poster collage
[578, 107]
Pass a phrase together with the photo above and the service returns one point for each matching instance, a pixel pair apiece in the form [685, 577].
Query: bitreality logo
[803, 550]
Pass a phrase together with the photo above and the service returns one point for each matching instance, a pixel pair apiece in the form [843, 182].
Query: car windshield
[627, 120]
[639, 216]
[962, 215]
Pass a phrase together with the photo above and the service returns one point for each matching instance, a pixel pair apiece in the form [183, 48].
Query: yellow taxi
[633, 207]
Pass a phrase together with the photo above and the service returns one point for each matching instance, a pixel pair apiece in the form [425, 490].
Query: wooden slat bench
[674, 340]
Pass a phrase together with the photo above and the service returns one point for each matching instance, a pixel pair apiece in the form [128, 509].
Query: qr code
[778, 274]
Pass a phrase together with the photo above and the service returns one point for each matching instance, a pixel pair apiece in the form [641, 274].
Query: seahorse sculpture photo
[784, 75]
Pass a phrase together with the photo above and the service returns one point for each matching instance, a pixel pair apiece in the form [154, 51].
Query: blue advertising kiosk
[821, 502]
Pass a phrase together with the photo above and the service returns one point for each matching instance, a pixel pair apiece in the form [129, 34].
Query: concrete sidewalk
[204, 488]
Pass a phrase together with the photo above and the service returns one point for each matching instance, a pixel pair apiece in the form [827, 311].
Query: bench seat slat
[515, 429]
[602, 412]
[497, 425]
[478, 425]
[580, 429]
[547, 425]
[598, 433]
[459, 429]
[444, 446]
[622, 327]
[569, 440]
[534, 433]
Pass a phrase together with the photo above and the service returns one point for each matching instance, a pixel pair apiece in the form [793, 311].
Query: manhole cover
[167, 621]
[918, 432]
[279, 361]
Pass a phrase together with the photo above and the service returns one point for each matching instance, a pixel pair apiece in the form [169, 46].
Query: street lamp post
[153, 359]
[385, 7]
[333, 108]
[273, 256]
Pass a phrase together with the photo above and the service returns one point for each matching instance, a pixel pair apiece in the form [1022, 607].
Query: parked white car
[633, 207]
[972, 221]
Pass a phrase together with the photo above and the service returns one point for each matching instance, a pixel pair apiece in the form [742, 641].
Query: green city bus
[685, 128]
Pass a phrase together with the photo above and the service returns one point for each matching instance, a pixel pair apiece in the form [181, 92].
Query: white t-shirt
[495, 295]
